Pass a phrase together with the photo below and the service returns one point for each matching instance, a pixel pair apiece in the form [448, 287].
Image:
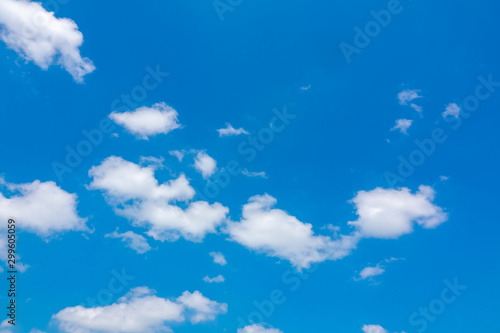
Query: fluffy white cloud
[217, 279]
[41, 207]
[416, 107]
[218, 258]
[132, 240]
[38, 36]
[402, 125]
[148, 121]
[408, 95]
[247, 173]
[205, 164]
[452, 109]
[230, 131]
[369, 272]
[136, 194]
[391, 213]
[374, 329]
[278, 234]
[140, 311]
[258, 329]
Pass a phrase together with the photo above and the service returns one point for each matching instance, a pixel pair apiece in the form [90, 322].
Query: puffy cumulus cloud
[217, 279]
[231, 131]
[258, 329]
[136, 194]
[402, 125]
[132, 240]
[38, 36]
[200, 308]
[205, 164]
[391, 213]
[452, 109]
[278, 234]
[140, 311]
[218, 258]
[145, 122]
[42, 208]
[408, 95]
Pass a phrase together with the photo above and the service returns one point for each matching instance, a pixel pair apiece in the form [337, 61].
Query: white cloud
[35, 330]
[38, 36]
[148, 121]
[201, 308]
[178, 153]
[391, 213]
[205, 164]
[41, 207]
[408, 95]
[217, 279]
[278, 234]
[258, 329]
[254, 174]
[416, 107]
[452, 109]
[402, 125]
[218, 258]
[231, 131]
[374, 329]
[140, 311]
[305, 88]
[132, 240]
[136, 194]
[369, 272]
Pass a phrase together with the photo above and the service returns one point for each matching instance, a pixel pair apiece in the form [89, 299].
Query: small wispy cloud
[416, 107]
[305, 88]
[402, 125]
[218, 258]
[452, 109]
[132, 240]
[253, 174]
[408, 95]
[231, 131]
[217, 279]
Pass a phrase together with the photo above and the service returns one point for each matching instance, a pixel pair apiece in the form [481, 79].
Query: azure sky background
[251, 166]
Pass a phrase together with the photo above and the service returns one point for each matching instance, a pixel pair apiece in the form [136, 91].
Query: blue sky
[353, 191]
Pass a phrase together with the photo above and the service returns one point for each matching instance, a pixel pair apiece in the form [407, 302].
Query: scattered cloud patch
[178, 153]
[402, 125]
[369, 272]
[132, 240]
[205, 164]
[139, 311]
[391, 213]
[374, 329]
[408, 95]
[136, 194]
[305, 88]
[258, 329]
[38, 36]
[146, 122]
[247, 173]
[231, 131]
[217, 279]
[416, 107]
[452, 109]
[218, 258]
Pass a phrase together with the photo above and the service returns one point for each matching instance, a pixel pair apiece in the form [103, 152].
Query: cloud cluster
[402, 125]
[140, 311]
[38, 36]
[145, 122]
[205, 164]
[136, 194]
[278, 234]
